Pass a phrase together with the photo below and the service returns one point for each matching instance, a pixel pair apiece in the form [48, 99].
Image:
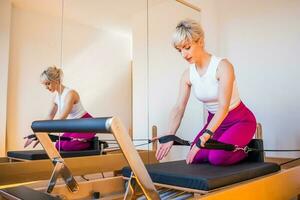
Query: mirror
[33, 29]
[103, 42]
[107, 51]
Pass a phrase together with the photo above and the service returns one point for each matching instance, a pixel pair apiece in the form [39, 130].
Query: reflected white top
[77, 110]
[206, 86]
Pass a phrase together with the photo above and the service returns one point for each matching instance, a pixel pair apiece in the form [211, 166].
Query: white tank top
[205, 87]
[77, 110]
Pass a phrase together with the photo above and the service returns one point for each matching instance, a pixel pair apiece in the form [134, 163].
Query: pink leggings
[238, 128]
[76, 145]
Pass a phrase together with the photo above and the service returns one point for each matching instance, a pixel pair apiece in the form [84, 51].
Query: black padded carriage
[41, 154]
[208, 177]
[205, 176]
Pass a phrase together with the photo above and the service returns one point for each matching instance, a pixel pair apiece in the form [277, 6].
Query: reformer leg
[133, 189]
[58, 162]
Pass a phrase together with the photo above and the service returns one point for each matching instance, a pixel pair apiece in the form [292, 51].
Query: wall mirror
[109, 53]
[33, 38]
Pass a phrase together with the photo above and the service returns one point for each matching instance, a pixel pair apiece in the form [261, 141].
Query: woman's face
[190, 50]
[50, 85]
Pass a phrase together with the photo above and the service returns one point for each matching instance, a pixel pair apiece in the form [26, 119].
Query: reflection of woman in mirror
[66, 104]
[214, 83]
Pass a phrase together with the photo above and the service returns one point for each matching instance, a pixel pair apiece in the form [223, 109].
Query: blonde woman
[214, 83]
[66, 104]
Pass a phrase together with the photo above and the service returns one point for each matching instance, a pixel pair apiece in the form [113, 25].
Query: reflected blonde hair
[52, 73]
[187, 30]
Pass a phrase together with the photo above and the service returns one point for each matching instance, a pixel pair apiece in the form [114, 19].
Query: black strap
[209, 132]
[177, 140]
[214, 144]
[55, 138]
[210, 144]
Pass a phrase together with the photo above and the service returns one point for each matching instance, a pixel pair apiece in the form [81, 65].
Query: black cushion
[41, 154]
[205, 176]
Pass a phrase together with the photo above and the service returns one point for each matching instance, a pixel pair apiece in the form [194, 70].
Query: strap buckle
[79, 139]
[246, 149]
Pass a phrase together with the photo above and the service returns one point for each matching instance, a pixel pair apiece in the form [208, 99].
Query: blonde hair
[187, 31]
[52, 73]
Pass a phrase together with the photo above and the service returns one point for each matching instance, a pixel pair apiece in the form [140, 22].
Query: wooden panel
[109, 188]
[19, 172]
[278, 186]
[4, 160]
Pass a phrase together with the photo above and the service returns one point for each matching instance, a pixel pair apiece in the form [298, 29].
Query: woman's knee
[74, 146]
[201, 156]
[218, 157]
[225, 158]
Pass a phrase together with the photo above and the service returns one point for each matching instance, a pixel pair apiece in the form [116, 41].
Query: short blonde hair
[52, 73]
[187, 31]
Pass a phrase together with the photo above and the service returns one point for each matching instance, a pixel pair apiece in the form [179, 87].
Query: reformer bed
[172, 180]
[95, 149]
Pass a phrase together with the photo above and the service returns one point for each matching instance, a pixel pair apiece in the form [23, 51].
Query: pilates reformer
[252, 179]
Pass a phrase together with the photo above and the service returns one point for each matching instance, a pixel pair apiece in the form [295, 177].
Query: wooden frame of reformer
[284, 184]
[280, 185]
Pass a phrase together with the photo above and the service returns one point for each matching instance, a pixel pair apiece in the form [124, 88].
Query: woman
[213, 81]
[66, 104]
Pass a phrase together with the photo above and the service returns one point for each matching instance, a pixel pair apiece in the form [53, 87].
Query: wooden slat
[154, 135]
[258, 132]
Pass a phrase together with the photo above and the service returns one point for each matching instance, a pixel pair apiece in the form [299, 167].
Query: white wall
[5, 13]
[139, 75]
[262, 40]
[95, 62]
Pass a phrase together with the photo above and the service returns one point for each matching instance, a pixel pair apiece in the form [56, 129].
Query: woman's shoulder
[224, 68]
[72, 94]
[221, 60]
[225, 63]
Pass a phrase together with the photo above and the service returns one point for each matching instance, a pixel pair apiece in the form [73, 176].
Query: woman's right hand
[163, 150]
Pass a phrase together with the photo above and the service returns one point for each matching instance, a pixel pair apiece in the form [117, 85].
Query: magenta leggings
[76, 145]
[238, 128]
